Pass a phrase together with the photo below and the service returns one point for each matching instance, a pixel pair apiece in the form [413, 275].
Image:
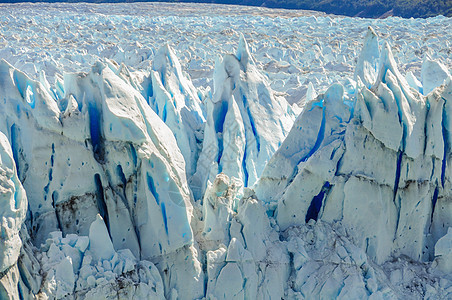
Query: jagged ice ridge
[120, 185]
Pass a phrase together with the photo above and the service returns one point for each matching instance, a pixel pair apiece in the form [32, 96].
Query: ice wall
[176, 101]
[352, 201]
[246, 122]
[13, 207]
[379, 162]
[101, 150]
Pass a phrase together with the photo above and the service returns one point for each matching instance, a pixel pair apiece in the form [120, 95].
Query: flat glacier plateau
[198, 151]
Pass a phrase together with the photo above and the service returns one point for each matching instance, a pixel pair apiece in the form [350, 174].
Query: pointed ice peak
[371, 33]
[414, 82]
[366, 68]
[433, 74]
[128, 77]
[173, 97]
[99, 240]
[243, 52]
[112, 64]
[59, 86]
[334, 102]
[311, 94]
[98, 67]
[122, 71]
[29, 95]
[166, 58]
[386, 60]
[72, 106]
[175, 81]
[43, 80]
[387, 63]
[6, 69]
[334, 93]
[218, 61]
[246, 123]
[166, 48]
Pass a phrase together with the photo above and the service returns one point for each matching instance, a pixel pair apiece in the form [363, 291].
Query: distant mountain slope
[361, 8]
[371, 8]
[352, 8]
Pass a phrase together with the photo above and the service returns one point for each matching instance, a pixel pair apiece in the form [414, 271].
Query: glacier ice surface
[258, 154]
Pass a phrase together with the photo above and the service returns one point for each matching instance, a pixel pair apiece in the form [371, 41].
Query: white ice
[223, 152]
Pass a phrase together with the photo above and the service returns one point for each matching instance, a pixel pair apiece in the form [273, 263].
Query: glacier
[220, 152]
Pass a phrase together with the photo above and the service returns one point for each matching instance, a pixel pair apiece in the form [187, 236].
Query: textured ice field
[121, 177]
[291, 47]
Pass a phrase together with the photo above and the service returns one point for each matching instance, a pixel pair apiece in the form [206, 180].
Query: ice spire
[99, 240]
[246, 123]
[243, 52]
[173, 97]
[366, 68]
[311, 94]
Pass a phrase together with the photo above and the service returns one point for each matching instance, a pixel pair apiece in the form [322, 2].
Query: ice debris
[89, 268]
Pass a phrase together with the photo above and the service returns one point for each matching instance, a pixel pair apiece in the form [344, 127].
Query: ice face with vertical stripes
[181, 151]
